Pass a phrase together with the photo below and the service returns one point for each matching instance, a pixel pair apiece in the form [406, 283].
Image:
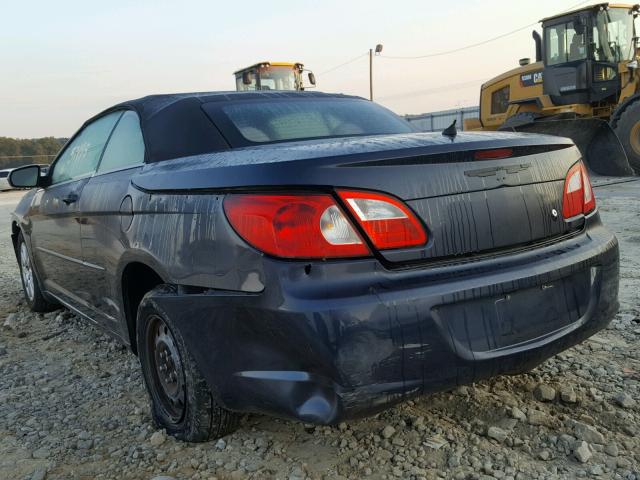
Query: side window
[81, 157]
[500, 100]
[126, 146]
[555, 44]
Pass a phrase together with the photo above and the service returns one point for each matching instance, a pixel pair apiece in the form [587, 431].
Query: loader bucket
[600, 147]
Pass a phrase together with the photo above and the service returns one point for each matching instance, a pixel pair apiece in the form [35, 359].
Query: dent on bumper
[348, 339]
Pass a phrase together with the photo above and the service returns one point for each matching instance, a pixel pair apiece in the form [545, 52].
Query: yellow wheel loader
[273, 76]
[584, 84]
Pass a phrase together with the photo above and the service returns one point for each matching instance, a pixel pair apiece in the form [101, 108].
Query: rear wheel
[181, 401]
[627, 128]
[30, 283]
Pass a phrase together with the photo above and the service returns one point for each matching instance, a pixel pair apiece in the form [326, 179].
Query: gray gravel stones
[297, 474]
[435, 442]
[544, 393]
[587, 433]
[11, 322]
[582, 452]
[388, 431]
[518, 414]
[84, 444]
[568, 394]
[41, 453]
[497, 434]
[157, 438]
[537, 417]
[39, 474]
[624, 400]
[611, 449]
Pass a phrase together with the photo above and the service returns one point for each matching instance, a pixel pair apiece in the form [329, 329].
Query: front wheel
[181, 401]
[30, 283]
[627, 128]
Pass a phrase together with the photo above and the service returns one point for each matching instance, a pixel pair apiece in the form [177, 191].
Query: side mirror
[312, 78]
[25, 177]
[246, 78]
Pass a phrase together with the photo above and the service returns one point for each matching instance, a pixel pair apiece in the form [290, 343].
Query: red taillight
[387, 221]
[578, 195]
[314, 225]
[589, 197]
[294, 226]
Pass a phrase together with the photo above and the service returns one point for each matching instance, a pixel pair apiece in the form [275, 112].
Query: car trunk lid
[470, 203]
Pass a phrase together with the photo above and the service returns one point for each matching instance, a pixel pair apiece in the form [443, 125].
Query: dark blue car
[309, 255]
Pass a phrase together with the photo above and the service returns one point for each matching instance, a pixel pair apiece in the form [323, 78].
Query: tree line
[23, 151]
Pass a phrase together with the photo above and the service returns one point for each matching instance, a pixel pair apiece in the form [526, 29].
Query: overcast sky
[63, 61]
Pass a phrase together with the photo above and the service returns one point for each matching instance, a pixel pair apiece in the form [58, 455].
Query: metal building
[438, 121]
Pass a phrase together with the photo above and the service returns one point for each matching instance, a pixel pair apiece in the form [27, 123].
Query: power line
[448, 52]
[459, 49]
[473, 45]
[344, 64]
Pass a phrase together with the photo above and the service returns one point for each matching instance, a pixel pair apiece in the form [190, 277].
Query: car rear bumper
[331, 340]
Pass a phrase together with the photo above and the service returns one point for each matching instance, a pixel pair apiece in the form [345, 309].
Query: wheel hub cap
[168, 371]
[26, 271]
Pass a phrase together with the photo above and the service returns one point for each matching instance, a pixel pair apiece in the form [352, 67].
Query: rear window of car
[268, 121]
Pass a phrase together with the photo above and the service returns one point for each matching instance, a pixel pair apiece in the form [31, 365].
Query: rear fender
[250, 358]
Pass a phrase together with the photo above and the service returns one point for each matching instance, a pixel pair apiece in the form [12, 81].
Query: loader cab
[582, 51]
[273, 76]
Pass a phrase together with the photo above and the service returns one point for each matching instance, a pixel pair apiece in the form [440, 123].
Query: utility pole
[371, 74]
[371, 52]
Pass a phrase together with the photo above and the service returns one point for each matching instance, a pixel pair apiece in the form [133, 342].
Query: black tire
[181, 401]
[627, 128]
[33, 294]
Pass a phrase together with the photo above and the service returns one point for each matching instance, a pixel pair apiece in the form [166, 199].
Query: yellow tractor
[273, 76]
[584, 84]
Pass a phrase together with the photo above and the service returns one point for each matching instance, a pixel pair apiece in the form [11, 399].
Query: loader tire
[627, 128]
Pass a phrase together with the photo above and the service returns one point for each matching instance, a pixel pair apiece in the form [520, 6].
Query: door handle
[70, 198]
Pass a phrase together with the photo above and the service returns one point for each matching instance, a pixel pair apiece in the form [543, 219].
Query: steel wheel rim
[26, 272]
[166, 369]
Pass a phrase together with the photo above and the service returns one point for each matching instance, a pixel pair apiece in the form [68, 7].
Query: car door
[56, 221]
[107, 213]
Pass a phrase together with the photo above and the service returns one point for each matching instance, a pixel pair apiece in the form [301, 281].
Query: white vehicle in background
[4, 182]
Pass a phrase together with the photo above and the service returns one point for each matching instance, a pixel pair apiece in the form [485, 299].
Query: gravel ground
[73, 406]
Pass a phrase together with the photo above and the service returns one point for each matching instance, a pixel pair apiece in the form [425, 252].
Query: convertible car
[309, 255]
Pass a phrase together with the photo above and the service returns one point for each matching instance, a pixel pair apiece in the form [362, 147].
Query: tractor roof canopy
[596, 7]
[297, 65]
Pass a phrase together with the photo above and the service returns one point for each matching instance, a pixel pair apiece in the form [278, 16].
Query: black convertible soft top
[175, 125]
